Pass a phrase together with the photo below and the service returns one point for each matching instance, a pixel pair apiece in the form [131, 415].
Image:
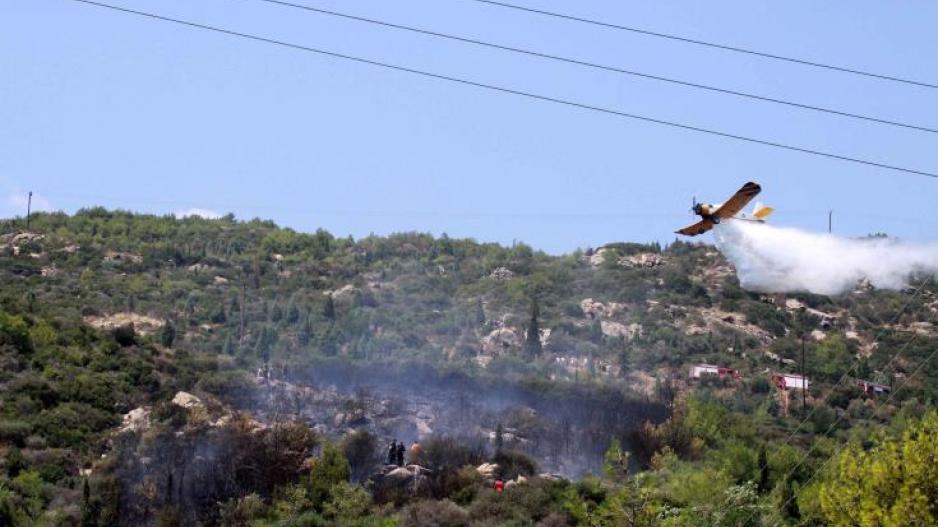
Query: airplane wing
[700, 227]
[739, 200]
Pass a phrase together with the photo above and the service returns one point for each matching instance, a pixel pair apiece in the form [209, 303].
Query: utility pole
[830, 221]
[29, 206]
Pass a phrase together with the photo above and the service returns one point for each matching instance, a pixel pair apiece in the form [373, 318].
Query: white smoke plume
[776, 260]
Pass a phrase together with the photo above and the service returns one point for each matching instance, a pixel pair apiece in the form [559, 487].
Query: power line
[529, 95]
[603, 67]
[715, 45]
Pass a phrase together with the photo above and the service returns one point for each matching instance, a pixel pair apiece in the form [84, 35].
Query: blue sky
[98, 107]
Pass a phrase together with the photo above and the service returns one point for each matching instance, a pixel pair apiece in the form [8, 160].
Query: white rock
[187, 400]
[488, 470]
[501, 274]
[136, 420]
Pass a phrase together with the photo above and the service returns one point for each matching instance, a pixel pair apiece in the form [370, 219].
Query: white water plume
[775, 259]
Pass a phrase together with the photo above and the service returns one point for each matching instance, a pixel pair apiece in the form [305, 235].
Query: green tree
[616, 462]
[168, 334]
[15, 332]
[895, 483]
[328, 309]
[228, 348]
[478, 315]
[763, 484]
[293, 313]
[532, 341]
[346, 503]
[361, 450]
[306, 333]
[328, 470]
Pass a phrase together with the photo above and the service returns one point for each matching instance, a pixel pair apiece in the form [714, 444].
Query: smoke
[775, 260]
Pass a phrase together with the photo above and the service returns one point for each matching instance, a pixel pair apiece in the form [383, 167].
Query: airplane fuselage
[706, 210]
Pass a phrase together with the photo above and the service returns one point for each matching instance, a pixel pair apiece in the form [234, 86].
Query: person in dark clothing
[400, 454]
[392, 453]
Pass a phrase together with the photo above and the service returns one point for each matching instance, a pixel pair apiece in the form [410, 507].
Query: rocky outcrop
[187, 401]
[642, 260]
[15, 240]
[136, 420]
[345, 291]
[501, 274]
[596, 309]
[488, 470]
[616, 329]
[141, 323]
[501, 340]
[413, 478]
[121, 257]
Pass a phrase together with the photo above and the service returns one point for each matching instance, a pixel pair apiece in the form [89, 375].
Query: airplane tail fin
[761, 212]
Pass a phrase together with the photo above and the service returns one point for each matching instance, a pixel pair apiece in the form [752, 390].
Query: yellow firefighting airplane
[713, 214]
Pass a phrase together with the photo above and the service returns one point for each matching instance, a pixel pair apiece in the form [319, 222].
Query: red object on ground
[499, 486]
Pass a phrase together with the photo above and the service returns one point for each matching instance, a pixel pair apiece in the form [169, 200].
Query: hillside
[167, 371]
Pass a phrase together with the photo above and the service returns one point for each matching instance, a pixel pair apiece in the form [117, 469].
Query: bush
[361, 450]
[327, 471]
[427, 513]
[70, 424]
[14, 431]
[514, 464]
[446, 452]
[234, 387]
[15, 332]
[125, 335]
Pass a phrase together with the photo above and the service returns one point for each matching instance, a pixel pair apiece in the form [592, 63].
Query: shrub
[15, 332]
[361, 450]
[514, 464]
[327, 471]
[426, 513]
[446, 452]
[125, 335]
[14, 431]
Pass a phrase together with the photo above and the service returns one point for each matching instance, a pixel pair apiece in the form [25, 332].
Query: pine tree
[596, 331]
[479, 315]
[228, 349]
[219, 316]
[306, 333]
[532, 343]
[87, 512]
[328, 470]
[328, 309]
[763, 483]
[31, 301]
[168, 334]
[616, 462]
[625, 359]
[293, 313]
